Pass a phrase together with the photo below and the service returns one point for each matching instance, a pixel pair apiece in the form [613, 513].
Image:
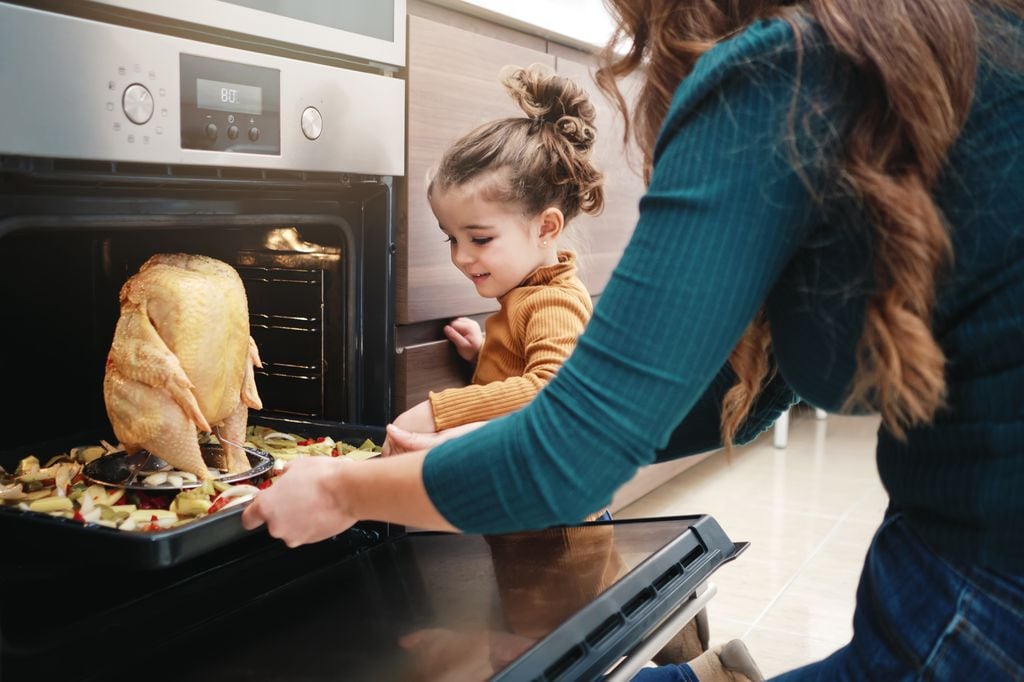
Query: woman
[835, 209]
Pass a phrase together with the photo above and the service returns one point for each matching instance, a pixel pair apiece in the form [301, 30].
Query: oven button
[254, 133]
[312, 123]
[211, 131]
[137, 103]
[233, 132]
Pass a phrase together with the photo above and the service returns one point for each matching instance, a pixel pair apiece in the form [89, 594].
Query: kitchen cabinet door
[452, 88]
[425, 367]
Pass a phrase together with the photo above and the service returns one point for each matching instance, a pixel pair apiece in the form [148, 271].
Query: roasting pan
[39, 535]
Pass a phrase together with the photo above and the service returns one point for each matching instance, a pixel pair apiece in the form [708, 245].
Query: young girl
[503, 196]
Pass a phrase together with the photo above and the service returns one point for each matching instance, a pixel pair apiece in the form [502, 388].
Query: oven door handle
[637, 658]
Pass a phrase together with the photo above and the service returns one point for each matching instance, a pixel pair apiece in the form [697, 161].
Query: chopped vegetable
[50, 504]
[60, 489]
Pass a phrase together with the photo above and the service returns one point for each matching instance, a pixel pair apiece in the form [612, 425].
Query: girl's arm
[553, 320]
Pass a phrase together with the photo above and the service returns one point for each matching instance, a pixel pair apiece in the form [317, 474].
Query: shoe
[730, 662]
[737, 659]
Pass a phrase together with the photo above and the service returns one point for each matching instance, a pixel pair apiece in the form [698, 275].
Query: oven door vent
[86, 172]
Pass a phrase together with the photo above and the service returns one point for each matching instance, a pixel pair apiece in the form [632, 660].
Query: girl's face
[492, 243]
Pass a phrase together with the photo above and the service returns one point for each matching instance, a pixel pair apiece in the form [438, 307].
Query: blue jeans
[919, 617]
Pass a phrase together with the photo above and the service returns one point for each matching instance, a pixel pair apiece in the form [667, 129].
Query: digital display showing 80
[243, 99]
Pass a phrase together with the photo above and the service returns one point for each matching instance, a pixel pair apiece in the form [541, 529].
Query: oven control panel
[229, 106]
[81, 89]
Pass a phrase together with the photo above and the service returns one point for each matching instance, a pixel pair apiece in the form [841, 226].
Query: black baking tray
[40, 534]
[586, 645]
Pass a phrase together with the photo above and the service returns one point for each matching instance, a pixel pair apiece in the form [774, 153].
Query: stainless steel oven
[122, 136]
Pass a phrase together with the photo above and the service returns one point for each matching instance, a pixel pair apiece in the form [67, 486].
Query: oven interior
[315, 262]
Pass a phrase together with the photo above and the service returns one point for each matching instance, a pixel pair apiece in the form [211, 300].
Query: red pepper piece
[219, 504]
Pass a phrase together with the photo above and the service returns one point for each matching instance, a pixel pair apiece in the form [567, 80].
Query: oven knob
[211, 131]
[254, 133]
[137, 103]
[233, 132]
[312, 123]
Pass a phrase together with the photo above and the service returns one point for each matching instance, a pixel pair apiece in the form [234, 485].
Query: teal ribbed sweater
[728, 226]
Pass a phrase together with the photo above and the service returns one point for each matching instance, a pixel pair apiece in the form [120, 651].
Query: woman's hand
[305, 504]
[399, 440]
[318, 497]
[467, 337]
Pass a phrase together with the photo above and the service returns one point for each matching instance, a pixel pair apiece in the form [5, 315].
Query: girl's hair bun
[548, 98]
[545, 156]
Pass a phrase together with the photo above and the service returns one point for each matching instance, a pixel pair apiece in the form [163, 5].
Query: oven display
[229, 106]
[245, 99]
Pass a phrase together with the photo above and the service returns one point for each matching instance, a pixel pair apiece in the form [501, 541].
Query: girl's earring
[544, 243]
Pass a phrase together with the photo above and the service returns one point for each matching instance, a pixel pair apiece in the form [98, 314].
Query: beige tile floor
[809, 512]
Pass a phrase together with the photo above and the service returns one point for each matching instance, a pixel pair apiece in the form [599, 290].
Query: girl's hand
[467, 337]
[305, 504]
[417, 419]
[400, 440]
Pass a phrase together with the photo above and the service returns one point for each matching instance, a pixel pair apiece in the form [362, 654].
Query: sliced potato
[51, 504]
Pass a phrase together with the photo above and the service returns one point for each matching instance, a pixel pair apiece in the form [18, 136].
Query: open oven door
[561, 604]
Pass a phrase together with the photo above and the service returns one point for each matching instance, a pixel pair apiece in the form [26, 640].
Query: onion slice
[278, 434]
[238, 494]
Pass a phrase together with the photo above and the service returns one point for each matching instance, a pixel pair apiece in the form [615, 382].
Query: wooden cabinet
[452, 81]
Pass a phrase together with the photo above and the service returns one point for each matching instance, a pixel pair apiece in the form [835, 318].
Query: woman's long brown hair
[915, 60]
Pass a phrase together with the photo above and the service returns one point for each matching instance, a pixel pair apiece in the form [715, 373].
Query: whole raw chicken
[182, 360]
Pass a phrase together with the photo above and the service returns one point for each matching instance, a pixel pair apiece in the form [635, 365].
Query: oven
[123, 136]
[117, 143]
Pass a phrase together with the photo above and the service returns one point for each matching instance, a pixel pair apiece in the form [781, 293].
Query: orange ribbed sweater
[526, 342]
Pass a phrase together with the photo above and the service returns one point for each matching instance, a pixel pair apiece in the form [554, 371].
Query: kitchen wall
[579, 23]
